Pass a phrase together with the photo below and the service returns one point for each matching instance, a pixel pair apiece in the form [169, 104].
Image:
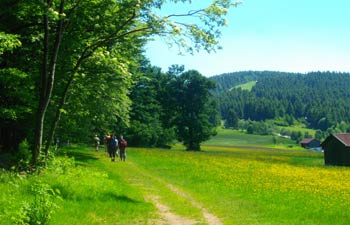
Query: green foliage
[99, 98]
[16, 97]
[203, 33]
[83, 191]
[16, 94]
[8, 42]
[23, 156]
[231, 120]
[256, 127]
[41, 209]
[192, 102]
[142, 134]
[84, 64]
[317, 99]
[61, 165]
[297, 136]
[146, 127]
[169, 106]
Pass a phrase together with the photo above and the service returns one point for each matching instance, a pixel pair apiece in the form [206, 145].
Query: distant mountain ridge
[321, 98]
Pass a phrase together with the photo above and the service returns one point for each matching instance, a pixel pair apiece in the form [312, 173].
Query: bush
[23, 156]
[40, 210]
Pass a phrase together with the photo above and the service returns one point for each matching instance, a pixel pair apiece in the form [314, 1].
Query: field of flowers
[246, 185]
[252, 186]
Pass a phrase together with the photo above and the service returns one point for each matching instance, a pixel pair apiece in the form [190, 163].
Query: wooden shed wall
[336, 153]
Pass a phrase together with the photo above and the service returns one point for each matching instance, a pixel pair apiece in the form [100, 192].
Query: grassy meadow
[246, 86]
[229, 137]
[239, 185]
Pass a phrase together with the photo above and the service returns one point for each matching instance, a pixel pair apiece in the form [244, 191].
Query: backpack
[123, 143]
[112, 143]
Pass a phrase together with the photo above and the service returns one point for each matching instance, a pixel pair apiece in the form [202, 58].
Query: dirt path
[168, 217]
[210, 218]
[150, 184]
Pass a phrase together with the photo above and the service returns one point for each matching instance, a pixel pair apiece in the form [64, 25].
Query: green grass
[246, 86]
[92, 191]
[228, 137]
[245, 186]
[240, 185]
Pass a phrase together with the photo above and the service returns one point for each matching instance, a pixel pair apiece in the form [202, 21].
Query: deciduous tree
[59, 36]
[193, 108]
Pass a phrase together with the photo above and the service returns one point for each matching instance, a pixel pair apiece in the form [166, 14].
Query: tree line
[320, 100]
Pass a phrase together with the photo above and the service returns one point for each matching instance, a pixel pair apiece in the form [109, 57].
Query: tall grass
[90, 189]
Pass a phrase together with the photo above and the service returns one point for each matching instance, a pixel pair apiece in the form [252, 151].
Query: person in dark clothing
[112, 144]
[122, 148]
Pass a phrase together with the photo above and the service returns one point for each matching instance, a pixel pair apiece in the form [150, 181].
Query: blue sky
[279, 35]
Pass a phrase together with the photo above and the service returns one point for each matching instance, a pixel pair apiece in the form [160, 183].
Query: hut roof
[344, 138]
[306, 141]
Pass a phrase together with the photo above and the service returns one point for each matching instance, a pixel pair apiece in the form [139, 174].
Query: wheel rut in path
[210, 218]
[167, 216]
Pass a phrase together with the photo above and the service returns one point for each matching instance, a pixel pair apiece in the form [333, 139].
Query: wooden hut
[310, 143]
[337, 149]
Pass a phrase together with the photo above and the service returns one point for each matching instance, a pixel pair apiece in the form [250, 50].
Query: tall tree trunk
[39, 125]
[58, 114]
[38, 135]
[63, 99]
[47, 81]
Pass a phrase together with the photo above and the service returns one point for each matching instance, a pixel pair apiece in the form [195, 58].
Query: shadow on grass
[121, 198]
[76, 194]
[81, 156]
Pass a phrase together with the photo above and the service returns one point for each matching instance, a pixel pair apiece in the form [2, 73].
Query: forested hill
[229, 80]
[321, 99]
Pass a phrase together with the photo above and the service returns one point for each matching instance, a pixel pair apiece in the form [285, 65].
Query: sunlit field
[228, 137]
[238, 185]
[246, 86]
[257, 186]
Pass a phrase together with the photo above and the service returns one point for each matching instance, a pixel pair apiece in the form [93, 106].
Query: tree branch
[190, 13]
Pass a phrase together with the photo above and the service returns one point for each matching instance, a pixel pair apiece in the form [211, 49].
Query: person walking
[112, 144]
[57, 144]
[97, 142]
[122, 148]
[105, 142]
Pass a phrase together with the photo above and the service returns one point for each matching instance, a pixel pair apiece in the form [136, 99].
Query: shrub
[39, 211]
[23, 156]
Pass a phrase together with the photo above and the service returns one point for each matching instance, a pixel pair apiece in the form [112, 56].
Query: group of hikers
[112, 144]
